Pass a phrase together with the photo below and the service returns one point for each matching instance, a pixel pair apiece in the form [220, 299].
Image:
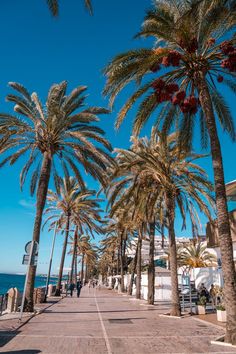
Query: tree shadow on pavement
[6, 336]
[104, 311]
[26, 351]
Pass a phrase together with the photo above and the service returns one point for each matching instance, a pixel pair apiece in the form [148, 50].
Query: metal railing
[3, 303]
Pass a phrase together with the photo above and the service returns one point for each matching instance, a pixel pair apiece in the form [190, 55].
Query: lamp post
[50, 262]
[51, 256]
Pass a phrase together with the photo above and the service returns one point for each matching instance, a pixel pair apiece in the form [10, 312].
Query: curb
[220, 341]
[209, 323]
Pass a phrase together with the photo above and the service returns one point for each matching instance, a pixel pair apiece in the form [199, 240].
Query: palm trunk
[41, 200]
[112, 261]
[121, 263]
[139, 264]
[133, 272]
[124, 258]
[82, 268]
[225, 239]
[72, 267]
[118, 261]
[86, 271]
[72, 264]
[73, 255]
[58, 287]
[75, 272]
[175, 301]
[151, 265]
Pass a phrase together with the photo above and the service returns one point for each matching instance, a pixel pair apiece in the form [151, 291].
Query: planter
[201, 310]
[221, 315]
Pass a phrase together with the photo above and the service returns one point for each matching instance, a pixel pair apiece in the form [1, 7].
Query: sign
[26, 257]
[35, 248]
[34, 255]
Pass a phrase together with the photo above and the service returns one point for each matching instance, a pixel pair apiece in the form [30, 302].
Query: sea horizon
[16, 280]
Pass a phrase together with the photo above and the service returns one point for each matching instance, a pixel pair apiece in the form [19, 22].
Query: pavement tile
[104, 322]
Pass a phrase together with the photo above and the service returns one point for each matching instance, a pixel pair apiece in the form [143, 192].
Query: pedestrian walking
[71, 288]
[89, 285]
[213, 296]
[78, 287]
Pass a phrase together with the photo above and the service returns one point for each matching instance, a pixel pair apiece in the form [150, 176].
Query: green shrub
[202, 301]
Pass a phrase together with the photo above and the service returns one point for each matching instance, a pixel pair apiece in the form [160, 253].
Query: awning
[231, 190]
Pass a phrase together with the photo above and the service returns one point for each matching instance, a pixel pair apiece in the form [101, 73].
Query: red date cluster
[190, 46]
[172, 58]
[228, 50]
[170, 92]
[164, 91]
[186, 104]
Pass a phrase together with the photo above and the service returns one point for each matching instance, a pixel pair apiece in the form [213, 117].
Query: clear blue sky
[37, 51]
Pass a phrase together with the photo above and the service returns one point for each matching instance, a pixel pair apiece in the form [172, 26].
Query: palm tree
[108, 248]
[57, 134]
[117, 228]
[53, 6]
[73, 251]
[196, 59]
[163, 176]
[196, 255]
[90, 260]
[83, 247]
[72, 205]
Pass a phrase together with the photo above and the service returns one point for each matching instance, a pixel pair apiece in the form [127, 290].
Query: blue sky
[37, 51]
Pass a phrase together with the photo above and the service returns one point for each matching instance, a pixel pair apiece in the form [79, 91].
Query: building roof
[162, 270]
[231, 190]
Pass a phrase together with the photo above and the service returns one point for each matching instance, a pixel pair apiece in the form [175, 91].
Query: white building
[161, 247]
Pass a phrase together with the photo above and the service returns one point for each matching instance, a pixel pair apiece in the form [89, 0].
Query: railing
[3, 303]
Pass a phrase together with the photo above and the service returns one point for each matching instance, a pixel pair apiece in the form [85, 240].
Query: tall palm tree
[73, 251]
[118, 227]
[108, 247]
[59, 133]
[54, 6]
[90, 260]
[163, 173]
[83, 247]
[196, 255]
[72, 205]
[196, 59]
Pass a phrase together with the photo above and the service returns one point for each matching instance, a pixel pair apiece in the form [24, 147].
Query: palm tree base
[28, 306]
[57, 292]
[175, 311]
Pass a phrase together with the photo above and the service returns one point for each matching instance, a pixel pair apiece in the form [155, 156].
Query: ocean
[8, 281]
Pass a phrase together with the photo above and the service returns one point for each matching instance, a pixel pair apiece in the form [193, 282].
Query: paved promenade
[103, 322]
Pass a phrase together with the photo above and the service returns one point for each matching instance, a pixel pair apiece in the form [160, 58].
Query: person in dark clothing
[203, 292]
[71, 288]
[78, 287]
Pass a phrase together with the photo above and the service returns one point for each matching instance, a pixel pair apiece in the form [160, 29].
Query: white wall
[207, 276]
[162, 286]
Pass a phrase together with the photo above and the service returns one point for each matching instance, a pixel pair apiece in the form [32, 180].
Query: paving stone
[104, 322]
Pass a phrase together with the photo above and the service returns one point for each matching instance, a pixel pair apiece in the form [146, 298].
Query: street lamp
[51, 256]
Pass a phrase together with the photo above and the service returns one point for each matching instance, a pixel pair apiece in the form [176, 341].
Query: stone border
[220, 341]
[167, 315]
[144, 304]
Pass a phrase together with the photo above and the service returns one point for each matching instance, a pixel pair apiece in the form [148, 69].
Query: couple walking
[78, 288]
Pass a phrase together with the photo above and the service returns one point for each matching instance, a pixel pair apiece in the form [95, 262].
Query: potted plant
[201, 305]
[221, 313]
